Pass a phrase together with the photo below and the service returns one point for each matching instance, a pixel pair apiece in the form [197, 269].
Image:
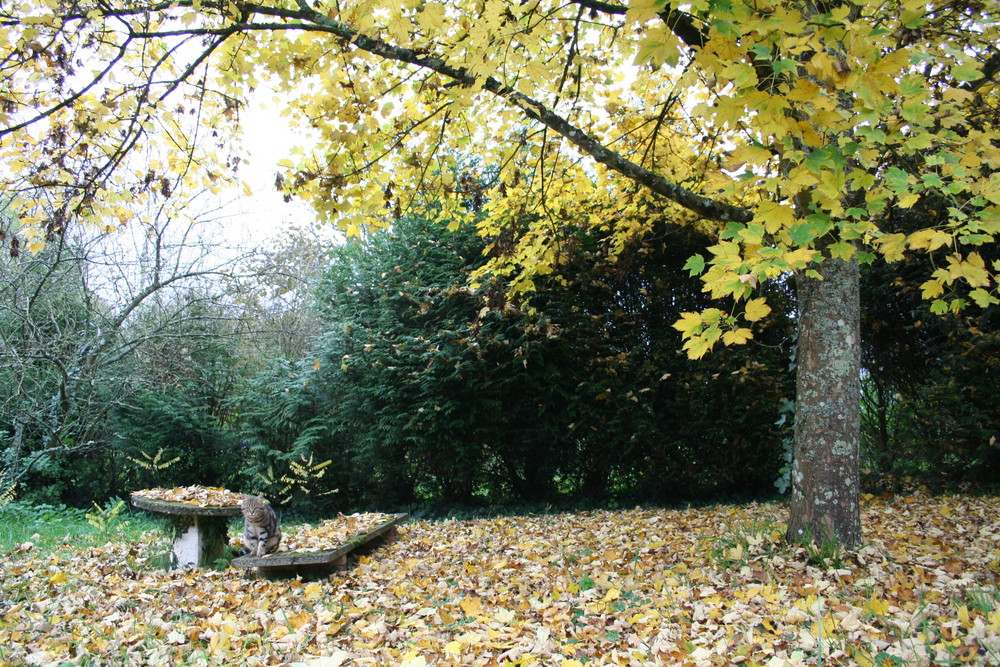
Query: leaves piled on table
[203, 496]
[707, 586]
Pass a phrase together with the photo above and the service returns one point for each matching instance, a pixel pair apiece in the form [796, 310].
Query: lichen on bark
[824, 503]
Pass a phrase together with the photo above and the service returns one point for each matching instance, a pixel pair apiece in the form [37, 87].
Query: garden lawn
[636, 587]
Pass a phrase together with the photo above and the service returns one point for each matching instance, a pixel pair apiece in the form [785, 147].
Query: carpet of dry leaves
[701, 586]
[328, 533]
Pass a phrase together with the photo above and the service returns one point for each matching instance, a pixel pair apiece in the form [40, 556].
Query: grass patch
[50, 527]
[743, 543]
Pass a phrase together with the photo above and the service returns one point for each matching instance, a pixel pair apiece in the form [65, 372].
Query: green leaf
[803, 233]
[779, 67]
[733, 230]
[695, 265]
[843, 250]
[753, 234]
[825, 158]
[897, 180]
[866, 257]
[725, 28]
[874, 135]
[932, 180]
[975, 239]
[983, 298]
[967, 72]
[912, 85]
[913, 18]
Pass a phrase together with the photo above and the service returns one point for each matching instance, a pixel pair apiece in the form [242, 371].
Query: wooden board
[320, 563]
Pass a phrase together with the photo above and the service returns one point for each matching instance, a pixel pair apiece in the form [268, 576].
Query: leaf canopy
[791, 127]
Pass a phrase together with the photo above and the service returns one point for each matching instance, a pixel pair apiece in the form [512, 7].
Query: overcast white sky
[267, 139]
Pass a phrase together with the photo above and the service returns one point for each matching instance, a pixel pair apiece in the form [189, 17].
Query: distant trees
[372, 374]
[88, 327]
[417, 391]
[931, 414]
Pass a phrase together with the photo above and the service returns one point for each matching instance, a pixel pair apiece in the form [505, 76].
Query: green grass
[744, 542]
[49, 527]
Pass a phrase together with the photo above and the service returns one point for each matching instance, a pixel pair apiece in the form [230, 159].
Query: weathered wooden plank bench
[314, 564]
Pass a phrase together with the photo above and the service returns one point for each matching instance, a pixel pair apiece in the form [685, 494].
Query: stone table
[200, 534]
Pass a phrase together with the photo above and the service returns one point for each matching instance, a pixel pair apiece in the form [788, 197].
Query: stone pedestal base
[198, 541]
[199, 532]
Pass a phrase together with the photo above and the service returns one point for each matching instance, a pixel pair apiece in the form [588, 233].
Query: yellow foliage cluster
[793, 127]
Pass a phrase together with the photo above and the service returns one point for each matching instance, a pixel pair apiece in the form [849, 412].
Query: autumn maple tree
[788, 129]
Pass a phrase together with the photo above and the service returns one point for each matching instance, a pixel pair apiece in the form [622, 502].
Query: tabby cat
[261, 533]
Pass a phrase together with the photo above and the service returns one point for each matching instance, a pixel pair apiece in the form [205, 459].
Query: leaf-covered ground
[701, 587]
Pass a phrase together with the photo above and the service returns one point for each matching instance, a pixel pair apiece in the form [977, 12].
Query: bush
[930, 414]
[420, 394]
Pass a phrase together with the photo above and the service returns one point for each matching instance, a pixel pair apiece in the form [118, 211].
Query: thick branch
[703, 206]
[990, 70]
[680, 23]
[531, 108]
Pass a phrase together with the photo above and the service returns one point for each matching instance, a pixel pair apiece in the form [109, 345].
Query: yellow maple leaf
[877, 606]
[640, 11]
[892, 246]
[431, 17]
[688, 323]
[932, 288]
[505, 616]
[697, 347]
[929, 239]
[774, 216]
[471, 606]
[756, 309]
[737, 336]
[414, 659]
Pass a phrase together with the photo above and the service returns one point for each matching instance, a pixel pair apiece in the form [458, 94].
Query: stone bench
[315, 564]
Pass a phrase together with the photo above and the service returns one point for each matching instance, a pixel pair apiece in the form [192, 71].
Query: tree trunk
[825, 471]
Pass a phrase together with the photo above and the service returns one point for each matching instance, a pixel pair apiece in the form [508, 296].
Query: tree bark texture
[825, 470]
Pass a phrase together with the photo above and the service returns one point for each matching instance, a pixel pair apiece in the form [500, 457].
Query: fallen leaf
[472, 606]
[571, 588]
